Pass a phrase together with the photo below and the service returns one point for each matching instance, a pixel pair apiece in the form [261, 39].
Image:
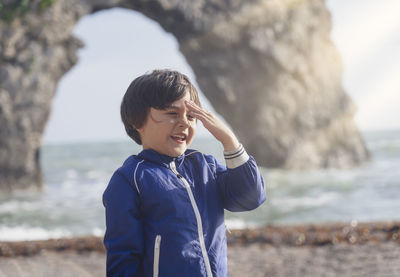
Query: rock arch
[269, 68]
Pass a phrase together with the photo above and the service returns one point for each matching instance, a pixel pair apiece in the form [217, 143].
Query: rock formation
[269, 67]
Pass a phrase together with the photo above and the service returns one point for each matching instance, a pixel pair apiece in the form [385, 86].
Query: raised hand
[214, 125]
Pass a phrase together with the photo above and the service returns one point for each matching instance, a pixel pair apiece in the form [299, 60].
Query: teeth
[180, 137]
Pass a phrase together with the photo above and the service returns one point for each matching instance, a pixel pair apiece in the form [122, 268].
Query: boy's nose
[184, 122]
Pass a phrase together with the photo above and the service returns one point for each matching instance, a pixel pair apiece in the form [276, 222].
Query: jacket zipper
[156, 255]
[198, 218]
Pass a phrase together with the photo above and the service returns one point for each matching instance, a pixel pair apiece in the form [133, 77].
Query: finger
[200, 116]
[193, 107]
[205, 119]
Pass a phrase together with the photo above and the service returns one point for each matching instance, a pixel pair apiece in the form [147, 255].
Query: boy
[165, 206]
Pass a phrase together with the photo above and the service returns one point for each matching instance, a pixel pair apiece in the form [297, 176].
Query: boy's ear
[140, 130]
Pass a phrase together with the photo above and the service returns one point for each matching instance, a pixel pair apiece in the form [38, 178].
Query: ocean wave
[236, 223]
[19, 233]
[18, 206]
[289, 203]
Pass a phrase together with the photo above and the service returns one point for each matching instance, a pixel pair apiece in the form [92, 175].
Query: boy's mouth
[179, 138]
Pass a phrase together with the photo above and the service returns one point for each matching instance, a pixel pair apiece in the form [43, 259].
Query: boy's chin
[178, 151]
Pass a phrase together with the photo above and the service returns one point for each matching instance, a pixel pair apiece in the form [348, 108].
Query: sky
[122, 44]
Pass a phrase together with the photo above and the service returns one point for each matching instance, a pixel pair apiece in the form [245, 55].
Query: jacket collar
[164, 160]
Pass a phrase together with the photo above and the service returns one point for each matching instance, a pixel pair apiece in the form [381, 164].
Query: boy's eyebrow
[172, 107]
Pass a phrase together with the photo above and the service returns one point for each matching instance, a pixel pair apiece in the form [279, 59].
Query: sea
[76, 175]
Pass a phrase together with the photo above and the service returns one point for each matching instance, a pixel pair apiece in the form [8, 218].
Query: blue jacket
[165, 215]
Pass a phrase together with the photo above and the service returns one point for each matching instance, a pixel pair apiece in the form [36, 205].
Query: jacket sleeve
[240, 183]
[124, 235]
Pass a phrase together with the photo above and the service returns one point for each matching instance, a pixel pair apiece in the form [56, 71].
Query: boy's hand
[215, 126]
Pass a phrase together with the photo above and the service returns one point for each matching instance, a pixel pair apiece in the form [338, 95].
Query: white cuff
[236, 157]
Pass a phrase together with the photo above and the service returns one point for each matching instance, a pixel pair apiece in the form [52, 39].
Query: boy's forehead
[178, 104]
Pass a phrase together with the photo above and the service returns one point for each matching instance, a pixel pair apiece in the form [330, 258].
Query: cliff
[269, 67]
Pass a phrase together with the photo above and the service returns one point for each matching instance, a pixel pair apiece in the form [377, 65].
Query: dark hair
[157, 89]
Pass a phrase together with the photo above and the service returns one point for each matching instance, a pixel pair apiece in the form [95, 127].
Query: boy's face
[169, 131]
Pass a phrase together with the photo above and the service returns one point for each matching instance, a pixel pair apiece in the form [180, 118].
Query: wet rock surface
[319, 235]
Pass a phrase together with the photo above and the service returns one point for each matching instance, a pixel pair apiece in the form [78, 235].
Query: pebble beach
[341, 249]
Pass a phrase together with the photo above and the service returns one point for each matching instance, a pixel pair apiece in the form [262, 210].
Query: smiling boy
[165, 206]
